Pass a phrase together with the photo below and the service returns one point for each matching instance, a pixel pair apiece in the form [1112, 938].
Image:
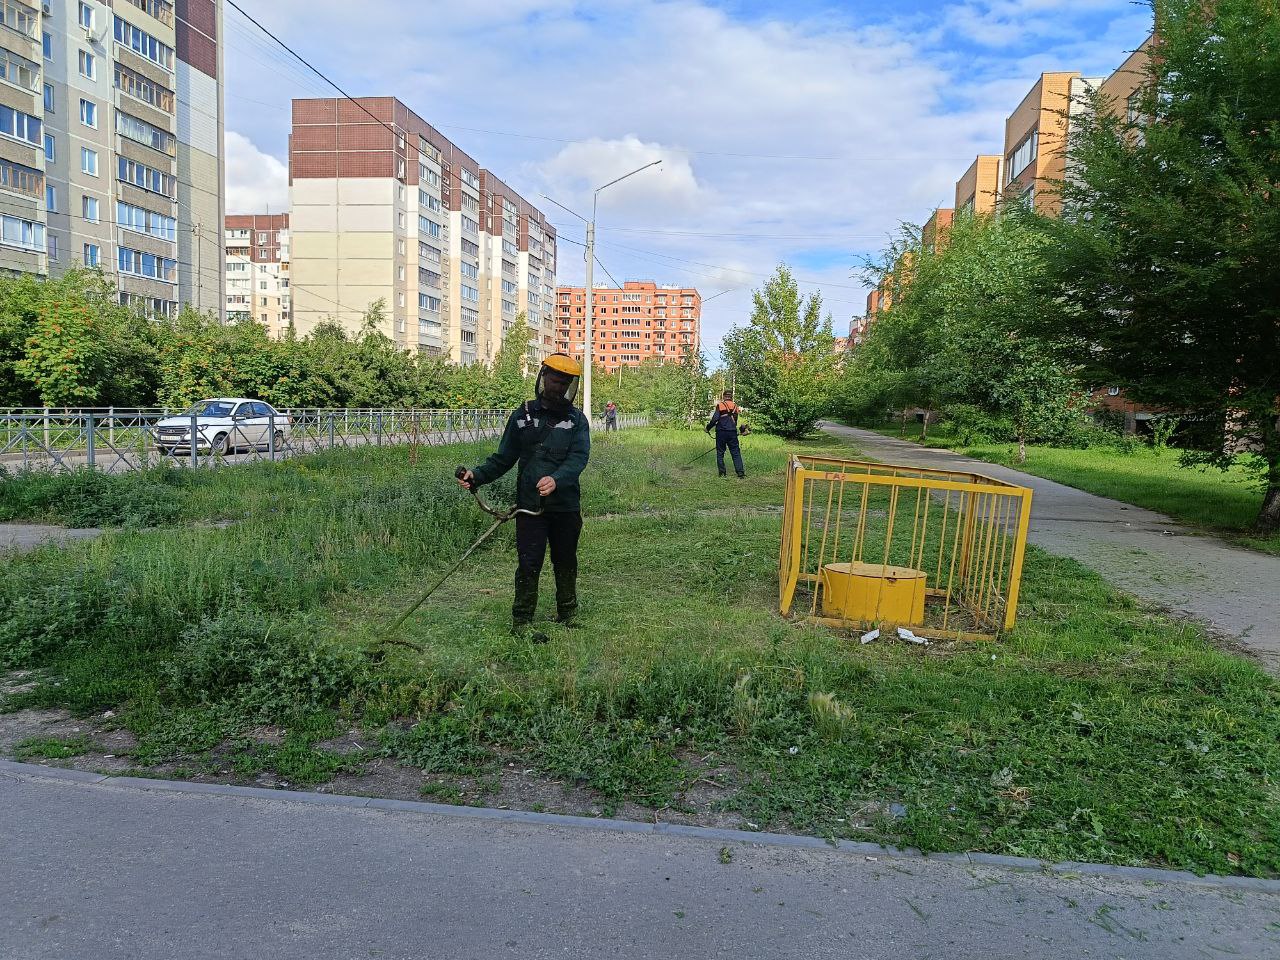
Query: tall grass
[1096, 731]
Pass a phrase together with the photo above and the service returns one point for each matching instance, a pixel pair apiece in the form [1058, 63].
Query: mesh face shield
[557, 387]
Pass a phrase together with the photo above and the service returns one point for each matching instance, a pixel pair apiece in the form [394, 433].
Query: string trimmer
[500, 518]
[743, 431]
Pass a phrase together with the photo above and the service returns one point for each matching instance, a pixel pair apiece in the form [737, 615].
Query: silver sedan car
[223, 425]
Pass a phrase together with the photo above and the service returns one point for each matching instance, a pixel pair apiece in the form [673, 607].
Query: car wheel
[279, 441]
[221, 445]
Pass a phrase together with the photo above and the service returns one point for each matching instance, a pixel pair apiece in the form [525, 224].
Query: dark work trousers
[728, 441]
[533, 534]
[610, 425]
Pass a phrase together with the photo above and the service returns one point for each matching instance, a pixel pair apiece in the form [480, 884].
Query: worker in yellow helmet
[551, 440]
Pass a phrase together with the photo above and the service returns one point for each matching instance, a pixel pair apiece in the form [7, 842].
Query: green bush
[242, 656]
[974, 427]
[87, 498]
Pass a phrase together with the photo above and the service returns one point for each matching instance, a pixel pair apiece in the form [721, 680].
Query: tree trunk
[903, 431]
[1022, 449]
[924, 427]
[1268, 521]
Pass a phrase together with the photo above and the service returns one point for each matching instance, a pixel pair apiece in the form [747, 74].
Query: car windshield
[211, 408]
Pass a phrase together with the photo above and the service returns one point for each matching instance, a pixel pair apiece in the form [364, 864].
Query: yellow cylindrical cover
[872, 592]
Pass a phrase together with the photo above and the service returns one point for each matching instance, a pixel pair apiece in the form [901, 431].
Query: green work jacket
[546, 443]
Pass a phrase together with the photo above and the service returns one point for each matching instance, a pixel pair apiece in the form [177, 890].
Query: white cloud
[256, 182]
[574, 94]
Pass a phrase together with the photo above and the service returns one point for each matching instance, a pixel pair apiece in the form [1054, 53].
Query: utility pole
[586, 339]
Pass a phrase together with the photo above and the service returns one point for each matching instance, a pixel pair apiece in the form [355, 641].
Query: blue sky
[798, 131]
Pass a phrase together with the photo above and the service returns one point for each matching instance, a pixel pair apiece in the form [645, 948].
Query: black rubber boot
[526, 600]
[566, 595]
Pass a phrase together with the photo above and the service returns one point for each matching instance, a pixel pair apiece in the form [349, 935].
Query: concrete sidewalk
[107, 871]
[1234, 591]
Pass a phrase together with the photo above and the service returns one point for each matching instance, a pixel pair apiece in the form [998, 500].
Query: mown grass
[1223, 502]
[1096, 731]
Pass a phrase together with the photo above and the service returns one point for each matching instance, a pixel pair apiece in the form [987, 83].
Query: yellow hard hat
[563, 363]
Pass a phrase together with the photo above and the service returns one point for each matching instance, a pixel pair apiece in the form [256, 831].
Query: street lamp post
[591, 262]
[591, 258]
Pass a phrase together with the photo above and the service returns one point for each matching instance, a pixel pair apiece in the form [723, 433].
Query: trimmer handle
[462, 472]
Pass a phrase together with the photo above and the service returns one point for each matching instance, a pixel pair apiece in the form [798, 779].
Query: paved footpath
[113, 870]
[1236, 592]
[28, 536]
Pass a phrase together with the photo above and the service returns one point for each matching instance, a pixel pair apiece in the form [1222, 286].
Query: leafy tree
[783, 361]
[957, 332]
[1167, 246]
[510, 375]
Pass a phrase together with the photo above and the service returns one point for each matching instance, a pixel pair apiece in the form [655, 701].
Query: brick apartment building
[258, 270]
[978, 191]
[639, 322]
[385, 207]
[111, 145]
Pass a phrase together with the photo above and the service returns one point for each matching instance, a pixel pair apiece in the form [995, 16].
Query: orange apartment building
[978, 191]
[937, 229]
[639, 322]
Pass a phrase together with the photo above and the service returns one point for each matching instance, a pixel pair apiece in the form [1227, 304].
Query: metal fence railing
[870, 544]
[116, 440]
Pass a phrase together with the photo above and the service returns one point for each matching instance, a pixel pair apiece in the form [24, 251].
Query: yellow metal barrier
[873, 544]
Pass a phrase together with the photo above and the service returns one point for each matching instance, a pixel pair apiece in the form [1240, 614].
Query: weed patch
[1095, 731]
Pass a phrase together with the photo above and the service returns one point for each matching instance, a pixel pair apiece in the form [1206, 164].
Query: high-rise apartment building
[639, 322]
[111, 145]
[386, 208]
[258, 271]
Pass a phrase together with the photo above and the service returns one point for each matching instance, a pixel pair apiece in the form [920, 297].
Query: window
[428, 302]
[130, 217]
[509, 287]
[86, 16]
[429, 227]
[428, 278]
[47, 44]
[469, 178]
[89, 207]
[19, 125]
[89, 161]
[509, 248]
[469, 270]
[162, 10]
[428, 176]
[141, 42]
[144, 89]
[50, 149]
[51, 198]
[144, 133]
[19, 179]
[88, 65]
[21, 72]
[428, 201]
[470, 293]
[508, 306]
[92, 252]
[89, 113]
[53, 246]
[470, 249]
[18, 17]
[48, 98]
[469, 225]
[148, 178]
[1023, 154]
[16, 232]
[147, 265]
[428, 252]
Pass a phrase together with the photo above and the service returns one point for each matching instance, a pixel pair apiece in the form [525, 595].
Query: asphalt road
[1234, 591]
[107, 872]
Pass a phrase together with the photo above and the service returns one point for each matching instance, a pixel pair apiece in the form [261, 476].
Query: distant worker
[610, 416]
[551, 439]
[725, 423]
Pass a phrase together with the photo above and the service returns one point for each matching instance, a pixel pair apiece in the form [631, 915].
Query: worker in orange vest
[724, 421]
